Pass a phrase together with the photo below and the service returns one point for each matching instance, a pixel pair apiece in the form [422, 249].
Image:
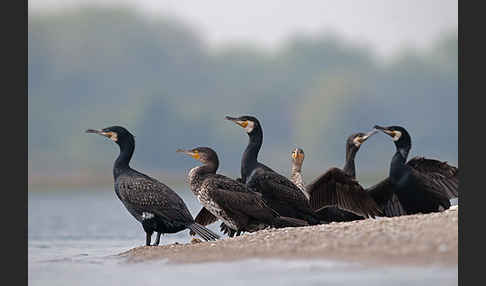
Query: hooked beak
[368, 135]
[112, 135]
[230, 118]
[237, 121]
[94, 131]
[384, 130]
[99, 132]
[189, 153]
[294, 155]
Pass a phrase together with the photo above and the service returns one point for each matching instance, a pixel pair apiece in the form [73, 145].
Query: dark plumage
[157, 207]
[223, 198]
[278, 192]
[336, 195]
[418, 186]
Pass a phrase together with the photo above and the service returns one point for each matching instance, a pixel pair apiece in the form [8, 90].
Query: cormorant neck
[209, 168]
[296, 168]
[123, 160]
[250, 155]
[401, 155]
[196, 175]
[297, 178]
[349, 167]
[398, 162]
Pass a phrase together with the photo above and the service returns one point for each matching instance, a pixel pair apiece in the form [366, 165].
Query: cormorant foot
[196, 240]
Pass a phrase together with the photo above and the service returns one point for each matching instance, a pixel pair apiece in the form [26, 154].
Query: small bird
[418, 186]
[278, 192]
[225, 199]
[157, 207]
[336, 195]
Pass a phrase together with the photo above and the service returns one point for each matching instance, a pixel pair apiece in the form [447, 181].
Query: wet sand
[423, 239]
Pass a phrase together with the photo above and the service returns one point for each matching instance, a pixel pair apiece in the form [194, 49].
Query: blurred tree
[95, 67]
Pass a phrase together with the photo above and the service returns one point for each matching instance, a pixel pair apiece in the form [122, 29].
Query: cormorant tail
[283, 221]
[203, 232]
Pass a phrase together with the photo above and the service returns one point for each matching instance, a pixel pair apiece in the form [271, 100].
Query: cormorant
[336, 195]
[223, 198]
[418, 186]
[278, 192]
[157, 207]
[296, 171]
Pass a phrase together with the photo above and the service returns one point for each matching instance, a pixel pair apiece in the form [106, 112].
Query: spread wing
[385, 198]
[336, 188]
[440, 176]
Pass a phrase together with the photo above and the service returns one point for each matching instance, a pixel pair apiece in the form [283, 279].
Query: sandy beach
[423, 239]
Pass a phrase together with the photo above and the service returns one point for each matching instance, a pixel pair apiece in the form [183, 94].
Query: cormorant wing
[336, 188]
[247, 203]
[383, 195]
[265, 167]
[335, 214]
[432, 188]
[204, 217]
[438, 173]
[145, 194]
[278, 187]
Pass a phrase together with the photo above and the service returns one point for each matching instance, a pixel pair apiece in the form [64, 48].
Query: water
[74, 238]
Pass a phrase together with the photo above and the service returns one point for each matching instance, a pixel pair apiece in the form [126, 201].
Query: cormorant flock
[263, 198]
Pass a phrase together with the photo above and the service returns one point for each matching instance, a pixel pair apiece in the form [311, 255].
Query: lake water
[74, 237]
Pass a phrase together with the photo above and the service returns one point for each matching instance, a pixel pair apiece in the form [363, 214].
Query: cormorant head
[249, 123]
[297, 156]
[398, 134]
[118, 134]
[204, 155]
[355, 140]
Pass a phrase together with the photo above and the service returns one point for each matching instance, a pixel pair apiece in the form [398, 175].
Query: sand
[422, 239]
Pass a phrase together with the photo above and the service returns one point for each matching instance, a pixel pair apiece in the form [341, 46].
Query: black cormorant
[152, 203]
[228, 200]
[278, 192]
[336, 195]
[418, 186]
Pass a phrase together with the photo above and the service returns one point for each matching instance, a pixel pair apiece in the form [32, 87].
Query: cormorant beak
[294, 155]
[94, 131]
[367, 135]
[384, 130]
[394, 134]
[190, 153]
[242, 123]
[112, 135]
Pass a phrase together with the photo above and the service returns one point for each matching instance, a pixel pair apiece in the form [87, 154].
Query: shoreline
[422, 239]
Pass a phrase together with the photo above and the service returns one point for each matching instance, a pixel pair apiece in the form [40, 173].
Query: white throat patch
[250, 126]
[396, 135]
[356, 142]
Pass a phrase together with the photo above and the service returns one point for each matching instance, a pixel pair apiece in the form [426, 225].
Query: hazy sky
[384, 24]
